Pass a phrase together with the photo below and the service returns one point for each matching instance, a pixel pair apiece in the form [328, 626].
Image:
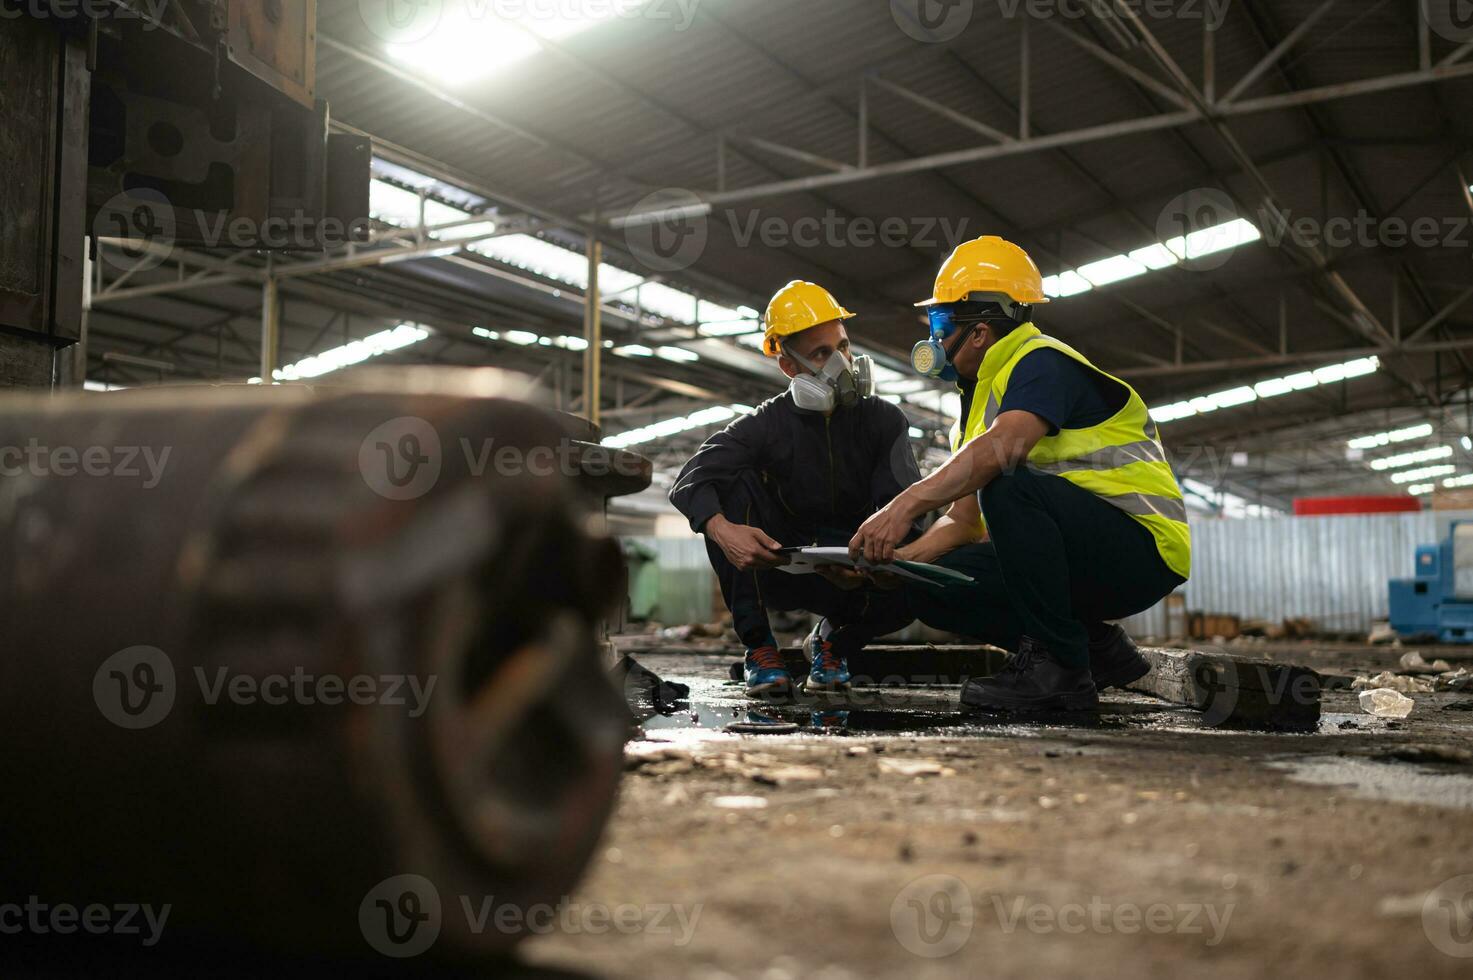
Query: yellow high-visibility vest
[1120, 460]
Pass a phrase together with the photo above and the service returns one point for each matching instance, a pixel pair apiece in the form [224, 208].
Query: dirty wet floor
[886, 833]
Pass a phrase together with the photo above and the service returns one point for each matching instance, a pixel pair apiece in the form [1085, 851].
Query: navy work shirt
[1059, 390]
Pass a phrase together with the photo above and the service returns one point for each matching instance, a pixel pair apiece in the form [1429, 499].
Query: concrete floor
[892, 836]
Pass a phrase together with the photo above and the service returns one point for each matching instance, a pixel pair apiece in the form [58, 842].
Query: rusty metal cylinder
[279, 657]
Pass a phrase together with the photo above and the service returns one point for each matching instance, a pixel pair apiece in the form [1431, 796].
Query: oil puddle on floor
[715, 706]
[1387, 780]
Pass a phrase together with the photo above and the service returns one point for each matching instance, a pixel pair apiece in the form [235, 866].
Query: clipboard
[807, 561]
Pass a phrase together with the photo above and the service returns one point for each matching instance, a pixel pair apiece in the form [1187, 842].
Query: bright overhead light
[1425, 473]
[634, 350]
[352, 353]
[1269, 388]
[1161, 255]
[522, 338]
[1466, 480]
[674, 426]
[1395, 435]
[1113, 269]
[677, 354]
[1422, 489]
[730, 328]
[476, 38]
[1411, 459]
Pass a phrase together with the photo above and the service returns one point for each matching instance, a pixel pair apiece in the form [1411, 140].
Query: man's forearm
[943, 537]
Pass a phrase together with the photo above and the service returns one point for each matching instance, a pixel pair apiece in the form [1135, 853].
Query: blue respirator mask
[931, 358]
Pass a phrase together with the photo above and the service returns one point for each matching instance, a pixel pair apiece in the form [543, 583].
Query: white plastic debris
[1386, 703]
[1414, 661]
[739, 802]
[1402, 683]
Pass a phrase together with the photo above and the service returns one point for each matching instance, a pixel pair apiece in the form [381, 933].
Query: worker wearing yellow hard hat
[805, 468]
[1060, 503]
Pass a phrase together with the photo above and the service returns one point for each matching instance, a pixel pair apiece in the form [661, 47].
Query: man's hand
[745, 547]
[878, 537]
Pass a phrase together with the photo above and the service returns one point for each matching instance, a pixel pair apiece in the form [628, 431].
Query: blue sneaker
[766, 675]
[829, 671]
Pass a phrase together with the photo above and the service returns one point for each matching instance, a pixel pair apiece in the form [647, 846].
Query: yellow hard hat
[798, 306]
[988, 265]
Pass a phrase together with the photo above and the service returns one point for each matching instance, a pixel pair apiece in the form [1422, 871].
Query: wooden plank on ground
[1235, 692]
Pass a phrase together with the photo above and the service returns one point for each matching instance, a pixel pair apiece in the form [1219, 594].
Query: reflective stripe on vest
[1119, 460]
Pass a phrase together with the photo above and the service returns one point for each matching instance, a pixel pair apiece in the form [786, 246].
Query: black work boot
[1033, 680]
[1115, 662]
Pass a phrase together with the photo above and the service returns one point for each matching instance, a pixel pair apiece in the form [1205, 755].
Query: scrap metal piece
[281, 658]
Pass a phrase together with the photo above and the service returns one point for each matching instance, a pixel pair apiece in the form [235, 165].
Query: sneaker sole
[1123, 677]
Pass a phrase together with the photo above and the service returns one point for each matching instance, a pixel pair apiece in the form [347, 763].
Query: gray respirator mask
[841, 382]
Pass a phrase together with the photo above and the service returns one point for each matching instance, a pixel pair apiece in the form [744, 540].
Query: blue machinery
[1439, 600]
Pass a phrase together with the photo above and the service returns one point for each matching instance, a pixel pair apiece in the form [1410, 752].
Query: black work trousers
[857, 616]
[1060, 562]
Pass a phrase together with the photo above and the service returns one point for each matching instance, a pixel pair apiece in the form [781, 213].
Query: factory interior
[729, 489]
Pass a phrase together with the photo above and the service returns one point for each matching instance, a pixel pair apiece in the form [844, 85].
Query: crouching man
[1063, 507]
[807, 467]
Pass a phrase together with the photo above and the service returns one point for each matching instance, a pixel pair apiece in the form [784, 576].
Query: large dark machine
[190, 122]
[172, 561]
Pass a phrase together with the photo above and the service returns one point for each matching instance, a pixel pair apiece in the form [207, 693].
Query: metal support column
[593, 333]
[270, 326]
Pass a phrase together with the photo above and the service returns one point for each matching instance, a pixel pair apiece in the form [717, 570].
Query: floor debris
[914, 767]
[1386, 680]
[1386, 703]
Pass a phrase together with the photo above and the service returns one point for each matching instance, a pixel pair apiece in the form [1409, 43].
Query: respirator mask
[931, 357]
[842, 381]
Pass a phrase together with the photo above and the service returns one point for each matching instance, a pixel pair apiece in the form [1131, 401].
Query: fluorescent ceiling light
[674, 426]
[1411, 459]
[1270, 388]
[1422, 489]
[476, 38]
[633, 350]
[730, 328]
[1425, 473]
[677, 354]
[522, 338]
[1466, 480]
[1395, 435]
[1113, 269]
[1161, 255]
[352, 353]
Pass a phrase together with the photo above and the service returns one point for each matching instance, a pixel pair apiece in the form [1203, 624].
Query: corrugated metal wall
[686, 583]
[1332, 570]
